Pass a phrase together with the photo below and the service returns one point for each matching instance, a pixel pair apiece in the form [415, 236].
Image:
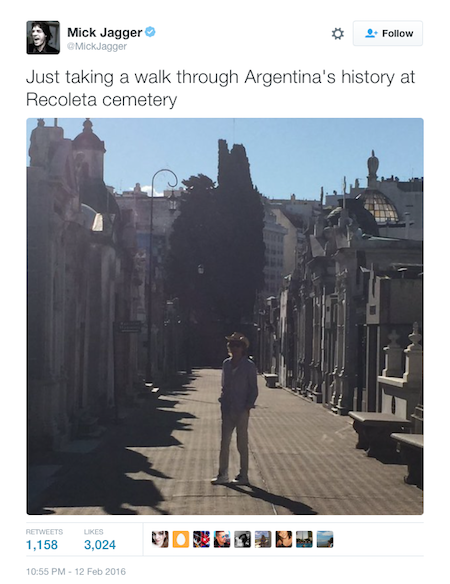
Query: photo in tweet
[174, 305]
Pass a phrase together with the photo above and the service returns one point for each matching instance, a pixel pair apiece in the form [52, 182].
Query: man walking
[239, 393]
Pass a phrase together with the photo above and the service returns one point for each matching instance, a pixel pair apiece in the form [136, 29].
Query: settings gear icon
[337, 33]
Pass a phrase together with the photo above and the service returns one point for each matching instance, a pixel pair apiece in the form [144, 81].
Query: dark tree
[242, 220]
[192, 241]
[219, 228]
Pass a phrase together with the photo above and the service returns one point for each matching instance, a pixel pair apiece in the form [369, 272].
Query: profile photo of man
[222, 539]
[40, 38]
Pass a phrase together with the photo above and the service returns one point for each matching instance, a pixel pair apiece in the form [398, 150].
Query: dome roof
[357, 212]
[87, 140]
[379, 205]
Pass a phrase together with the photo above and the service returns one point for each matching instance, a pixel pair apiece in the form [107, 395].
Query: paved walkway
[161, 459]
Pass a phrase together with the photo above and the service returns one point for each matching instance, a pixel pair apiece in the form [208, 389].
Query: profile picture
[304, 539]
[325, 539]
[221, 539]
[201, 539]
[42, 37]
[242, 539]
[284, 539]
[180, 539]
[263, 539]
[160, 539]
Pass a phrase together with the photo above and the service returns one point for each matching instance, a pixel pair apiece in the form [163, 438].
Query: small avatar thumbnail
[221, 539]
[263, 539]
[284, 539]
[201, 539]
[304, 539]
[325, 539]
[242, 539]
[160, 539]
[180, 539]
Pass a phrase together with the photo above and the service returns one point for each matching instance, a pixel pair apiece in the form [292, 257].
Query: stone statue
[372, 165]
[39, 149]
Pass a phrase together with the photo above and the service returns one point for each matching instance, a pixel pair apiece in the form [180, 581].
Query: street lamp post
[149, 369]
[200, 272]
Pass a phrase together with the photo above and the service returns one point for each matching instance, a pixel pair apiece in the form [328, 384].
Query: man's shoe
[240, 480]
[220, 480]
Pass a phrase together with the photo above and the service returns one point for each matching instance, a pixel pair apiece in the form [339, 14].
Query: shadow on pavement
[295, 507]
[115, 475]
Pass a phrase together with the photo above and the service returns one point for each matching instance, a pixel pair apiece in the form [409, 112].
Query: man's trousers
[230, 421]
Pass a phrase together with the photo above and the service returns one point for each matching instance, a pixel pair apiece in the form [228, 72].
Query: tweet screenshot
[216, 332]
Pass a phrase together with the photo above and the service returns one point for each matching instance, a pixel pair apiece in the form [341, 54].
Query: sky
[287, 156]
[323, 536]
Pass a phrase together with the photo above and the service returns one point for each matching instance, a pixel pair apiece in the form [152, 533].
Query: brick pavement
[161, 460]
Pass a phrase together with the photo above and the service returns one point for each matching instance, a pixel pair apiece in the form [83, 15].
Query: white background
[218, 36]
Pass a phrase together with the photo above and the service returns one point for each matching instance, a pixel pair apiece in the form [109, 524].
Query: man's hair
[44, 26]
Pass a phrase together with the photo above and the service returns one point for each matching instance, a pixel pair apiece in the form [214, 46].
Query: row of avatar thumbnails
[242, 539]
